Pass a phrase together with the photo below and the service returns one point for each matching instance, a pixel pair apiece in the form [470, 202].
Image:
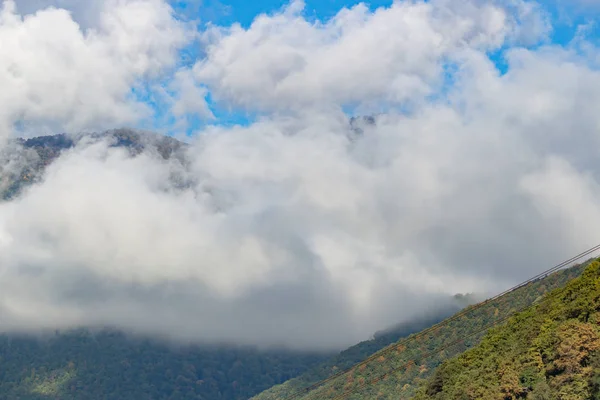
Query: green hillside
[405, 365]
[550, 351]
[360, 351]
[108, 365]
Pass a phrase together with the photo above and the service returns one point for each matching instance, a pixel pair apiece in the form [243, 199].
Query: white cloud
[101, 227]
[565, 197]
[189, 97]
[56, 75]
[296, 229]
[391, 56]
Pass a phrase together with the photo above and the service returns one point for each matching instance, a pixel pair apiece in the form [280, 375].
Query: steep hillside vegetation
[359, 352]
[110, 366]
[550, 351]
[404, 365]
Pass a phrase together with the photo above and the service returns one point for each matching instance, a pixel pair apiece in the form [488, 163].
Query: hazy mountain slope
[356, 353]
[23, 161]
[407, 358]
[550, 351]
[109, 365]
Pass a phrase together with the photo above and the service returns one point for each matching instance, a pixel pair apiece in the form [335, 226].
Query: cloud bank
[296, 229]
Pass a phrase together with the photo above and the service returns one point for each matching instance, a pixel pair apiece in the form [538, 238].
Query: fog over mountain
[295, 228]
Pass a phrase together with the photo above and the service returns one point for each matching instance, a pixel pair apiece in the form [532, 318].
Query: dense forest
[362, 350]
[550, 351]
[397, 371]
[109, 365]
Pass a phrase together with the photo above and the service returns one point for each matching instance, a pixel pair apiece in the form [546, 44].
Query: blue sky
[566, 16]
[243, 12]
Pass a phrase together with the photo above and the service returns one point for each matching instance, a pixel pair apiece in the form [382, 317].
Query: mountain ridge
[23, 160]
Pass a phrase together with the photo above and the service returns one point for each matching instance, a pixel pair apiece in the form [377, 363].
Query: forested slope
[550, 351]
[397, 371]
[362, 350]
[108, 365]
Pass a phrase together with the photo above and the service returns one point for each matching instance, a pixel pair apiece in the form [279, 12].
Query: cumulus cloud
[392, 56]
[298, 229]
[188, 96]
[57, 75]
[565, 197]
[261, 250]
